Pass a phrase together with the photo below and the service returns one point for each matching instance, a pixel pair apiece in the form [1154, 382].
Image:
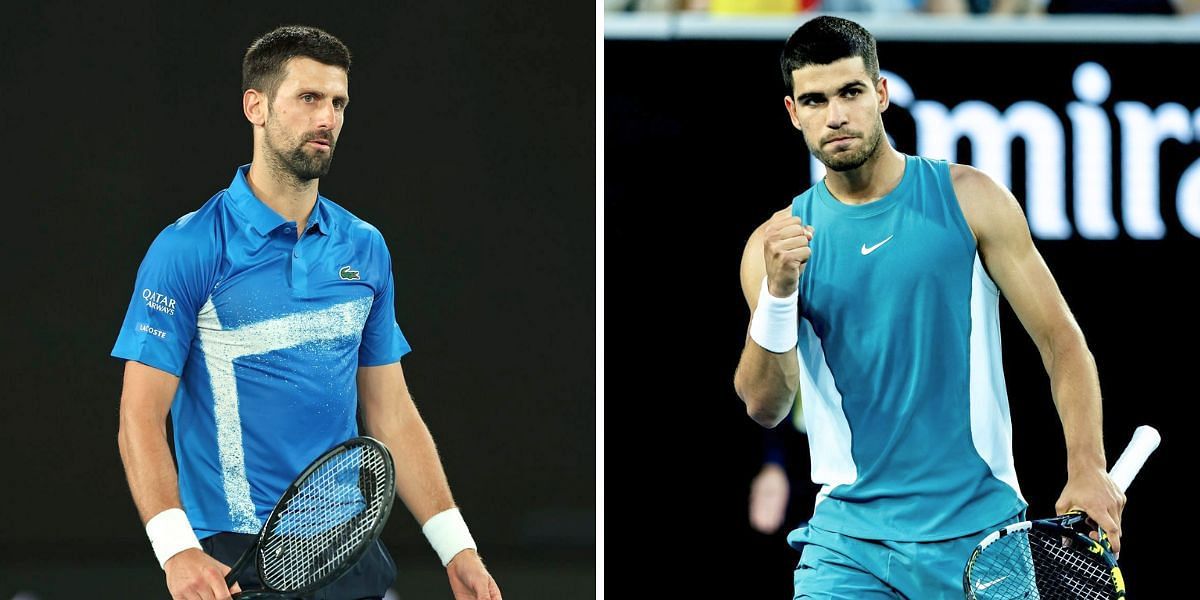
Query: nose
[327, 116]
[835, 116]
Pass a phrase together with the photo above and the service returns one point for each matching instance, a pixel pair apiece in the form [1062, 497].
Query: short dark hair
[824, 40]
[265, 62]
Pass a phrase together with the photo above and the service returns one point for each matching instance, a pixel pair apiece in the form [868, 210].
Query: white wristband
[447, 533]
[776, 321]
[170, 533]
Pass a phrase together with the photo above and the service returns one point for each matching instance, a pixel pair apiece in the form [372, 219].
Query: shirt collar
[318, 221]
[261, 217]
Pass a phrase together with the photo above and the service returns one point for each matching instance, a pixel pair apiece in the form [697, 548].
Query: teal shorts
[838, 567]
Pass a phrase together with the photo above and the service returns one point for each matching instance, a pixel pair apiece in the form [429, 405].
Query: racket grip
[1145, 441]
[240, 565]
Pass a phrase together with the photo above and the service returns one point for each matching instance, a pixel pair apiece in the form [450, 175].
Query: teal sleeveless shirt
[900, 370]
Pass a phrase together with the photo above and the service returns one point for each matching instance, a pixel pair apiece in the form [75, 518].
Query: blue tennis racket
[324, 521]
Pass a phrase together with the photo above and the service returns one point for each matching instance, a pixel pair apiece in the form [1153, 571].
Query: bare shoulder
[967, 177]
[977, 188]
[983, 200]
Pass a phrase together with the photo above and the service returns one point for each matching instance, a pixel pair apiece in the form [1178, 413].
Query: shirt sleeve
[382, 341]
[172, 284]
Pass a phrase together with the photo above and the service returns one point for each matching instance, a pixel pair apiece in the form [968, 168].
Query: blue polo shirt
[266, 333]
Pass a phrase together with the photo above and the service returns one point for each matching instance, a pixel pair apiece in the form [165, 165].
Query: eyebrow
[820, 96]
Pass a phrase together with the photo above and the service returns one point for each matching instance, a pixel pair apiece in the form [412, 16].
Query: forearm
[1075, 386]
[767, 382]
[420, 479]
[151, 474]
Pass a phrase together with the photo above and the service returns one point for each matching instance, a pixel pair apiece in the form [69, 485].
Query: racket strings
[1036, 564]
[1067, 571]
[326, 521]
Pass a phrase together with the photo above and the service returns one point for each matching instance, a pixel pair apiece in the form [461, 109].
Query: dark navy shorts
[368, 579]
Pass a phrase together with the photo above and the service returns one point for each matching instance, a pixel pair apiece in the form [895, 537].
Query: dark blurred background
[470, 144]
[699, 151]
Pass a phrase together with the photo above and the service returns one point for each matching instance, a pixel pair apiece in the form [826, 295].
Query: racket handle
[240, 565]
[1145, 441]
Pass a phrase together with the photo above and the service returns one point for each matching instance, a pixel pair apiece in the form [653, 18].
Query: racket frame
[1144, 442]
[1065, 526]
[253, 552]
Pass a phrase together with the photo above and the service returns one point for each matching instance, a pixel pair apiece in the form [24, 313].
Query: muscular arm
[389, 414]
[766, 381]
[1016, 266]
[146, 396]
[142, 438]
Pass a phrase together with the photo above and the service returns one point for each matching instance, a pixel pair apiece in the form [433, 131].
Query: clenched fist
[786, 251]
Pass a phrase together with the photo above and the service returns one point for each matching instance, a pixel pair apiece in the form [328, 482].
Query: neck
[875, 179]
[282, 191]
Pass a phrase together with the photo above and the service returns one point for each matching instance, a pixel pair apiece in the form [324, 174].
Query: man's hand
[1093, 492]
[786, 251]
[194, 575]
[469, 579]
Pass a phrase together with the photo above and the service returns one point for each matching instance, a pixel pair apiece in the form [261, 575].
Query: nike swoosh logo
[979, 587]
[866, 250]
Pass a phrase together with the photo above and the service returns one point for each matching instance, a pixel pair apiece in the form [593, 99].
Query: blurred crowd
[891, 7]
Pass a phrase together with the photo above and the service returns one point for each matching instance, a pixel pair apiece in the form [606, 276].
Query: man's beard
[847, 161]
[302, 164]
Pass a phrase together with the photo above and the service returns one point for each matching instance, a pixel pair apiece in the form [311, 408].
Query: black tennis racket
[1054, 559]
[324, 521]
